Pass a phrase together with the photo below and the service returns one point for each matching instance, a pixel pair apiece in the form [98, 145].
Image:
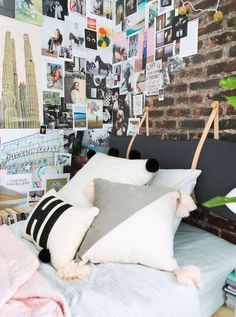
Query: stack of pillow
[106, 213]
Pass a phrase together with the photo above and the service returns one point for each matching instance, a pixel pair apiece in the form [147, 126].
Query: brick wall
[186, 108]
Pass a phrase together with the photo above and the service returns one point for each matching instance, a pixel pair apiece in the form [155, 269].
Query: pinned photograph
[133, 126]
[133, 45]
[63, 159]
[169, 17]
[80, 119]
[116, 71]
[168, 36]
[154, 78]
[166, 3]
[29, 11]
[55, 9]
[102, 8]
[35, 195]
[126, 24]
[91, 23]
[19, 59]
[53, 37]
[131, 7]
[7, 8]
[160, 38]
[100, 137]
[54, 76]
[180, 27]
[168, 52]
[160, 22]
[95, 114]
[159, 53]
[151, 13]
[56, 181]
[120, 47]
[90, 39]
[176, 64]
[127, 78]
[75, 84]
[121, 112]
[104, 37]
[43, 129]
[38, 172]
[120, 11]
[65, 52]
[161, 95]
[78, 6]
[138, 104]
[135, 22]
[146, 49]
[140, 82]
[58, 116]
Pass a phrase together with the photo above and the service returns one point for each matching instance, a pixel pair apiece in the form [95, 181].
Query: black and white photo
[180, 27]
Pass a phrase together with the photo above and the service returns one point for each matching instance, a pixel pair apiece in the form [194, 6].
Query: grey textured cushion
[116, 203]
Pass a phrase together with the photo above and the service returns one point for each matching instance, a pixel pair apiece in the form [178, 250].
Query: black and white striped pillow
[56, 225]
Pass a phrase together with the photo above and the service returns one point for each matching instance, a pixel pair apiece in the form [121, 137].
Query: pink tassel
[185, 206]
[189, 274]
[74, 270]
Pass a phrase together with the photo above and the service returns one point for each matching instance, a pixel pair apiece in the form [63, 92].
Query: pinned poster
[189, 44]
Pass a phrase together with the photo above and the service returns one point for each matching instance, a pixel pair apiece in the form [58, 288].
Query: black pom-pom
[134, 155]
[152, 165]
[113, 152]
[90, 154]
[44, 256]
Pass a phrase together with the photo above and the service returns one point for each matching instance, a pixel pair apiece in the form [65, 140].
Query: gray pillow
[116, 203]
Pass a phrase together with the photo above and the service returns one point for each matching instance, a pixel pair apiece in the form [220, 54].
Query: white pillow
[145, 238]
[56, 225]
[178, 179]
[111, 168]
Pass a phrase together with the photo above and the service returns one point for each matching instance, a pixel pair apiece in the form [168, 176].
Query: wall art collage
[73, 72]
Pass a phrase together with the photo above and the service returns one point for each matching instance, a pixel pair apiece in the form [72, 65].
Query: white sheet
[118, 290]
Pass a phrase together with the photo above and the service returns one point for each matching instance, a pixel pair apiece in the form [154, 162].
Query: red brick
[167, 124]
[178, 112]
[192, 124]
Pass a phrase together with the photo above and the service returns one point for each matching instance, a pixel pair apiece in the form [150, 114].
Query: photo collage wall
[73, 73]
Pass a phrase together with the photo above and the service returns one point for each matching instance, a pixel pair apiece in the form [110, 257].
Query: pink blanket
[23, 291]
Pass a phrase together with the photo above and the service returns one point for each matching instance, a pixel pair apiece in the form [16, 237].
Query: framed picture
[166, 3]
[55, 181]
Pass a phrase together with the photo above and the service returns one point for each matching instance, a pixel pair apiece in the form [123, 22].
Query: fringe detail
[185, 206]
[74, 270]
[189, 274]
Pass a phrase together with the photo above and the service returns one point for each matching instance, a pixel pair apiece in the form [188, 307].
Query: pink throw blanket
[23, 291]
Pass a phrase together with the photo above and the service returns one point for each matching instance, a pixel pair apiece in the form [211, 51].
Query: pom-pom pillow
[56, 225]
[110, 168]
[142, 236]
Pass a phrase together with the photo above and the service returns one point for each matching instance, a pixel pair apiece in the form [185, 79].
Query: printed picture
[55, 77]
[56, 181]
[120, 47]
[180, 27]
[102, 8]
[159, 54]
[58, 116]
[29, 11]
[161, 95]
[74, 36]
[168, 52]
[145, 49]
[39, 171]
[55, 8]
[62, 159]
[140, 82]
[127, 78]
[7, 8]
[100, 137]
[75, 84]
[176, 64]
[121, 112]
[166, 3]
[80, 120]
[151, 13]
[104, 37]
[133, 45]
[138, 104]
[131, 7]
[22, 44]
[160, 22]
[53, 37]
[134, 23]
[155, 79]
[78, 6]
[160, 38]
[169, 17]
[120, 11]
[35, 195]
[95, 114]
[168, 36]
[116, 71]
[91, 23]
[90, 39]
[133, 126]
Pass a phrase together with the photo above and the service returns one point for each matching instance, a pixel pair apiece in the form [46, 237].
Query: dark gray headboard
[217, 162]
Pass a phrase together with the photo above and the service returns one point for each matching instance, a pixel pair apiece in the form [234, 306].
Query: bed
[116, 290]
[130, 290]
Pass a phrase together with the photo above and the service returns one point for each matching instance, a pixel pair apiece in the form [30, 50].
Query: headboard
[217, 162]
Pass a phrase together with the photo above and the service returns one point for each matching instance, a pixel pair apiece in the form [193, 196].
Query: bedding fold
[23, 291]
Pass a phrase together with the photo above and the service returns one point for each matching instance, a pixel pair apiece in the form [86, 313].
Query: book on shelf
[11, 215]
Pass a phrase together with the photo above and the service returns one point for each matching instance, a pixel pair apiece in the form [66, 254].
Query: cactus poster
[20, 72]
